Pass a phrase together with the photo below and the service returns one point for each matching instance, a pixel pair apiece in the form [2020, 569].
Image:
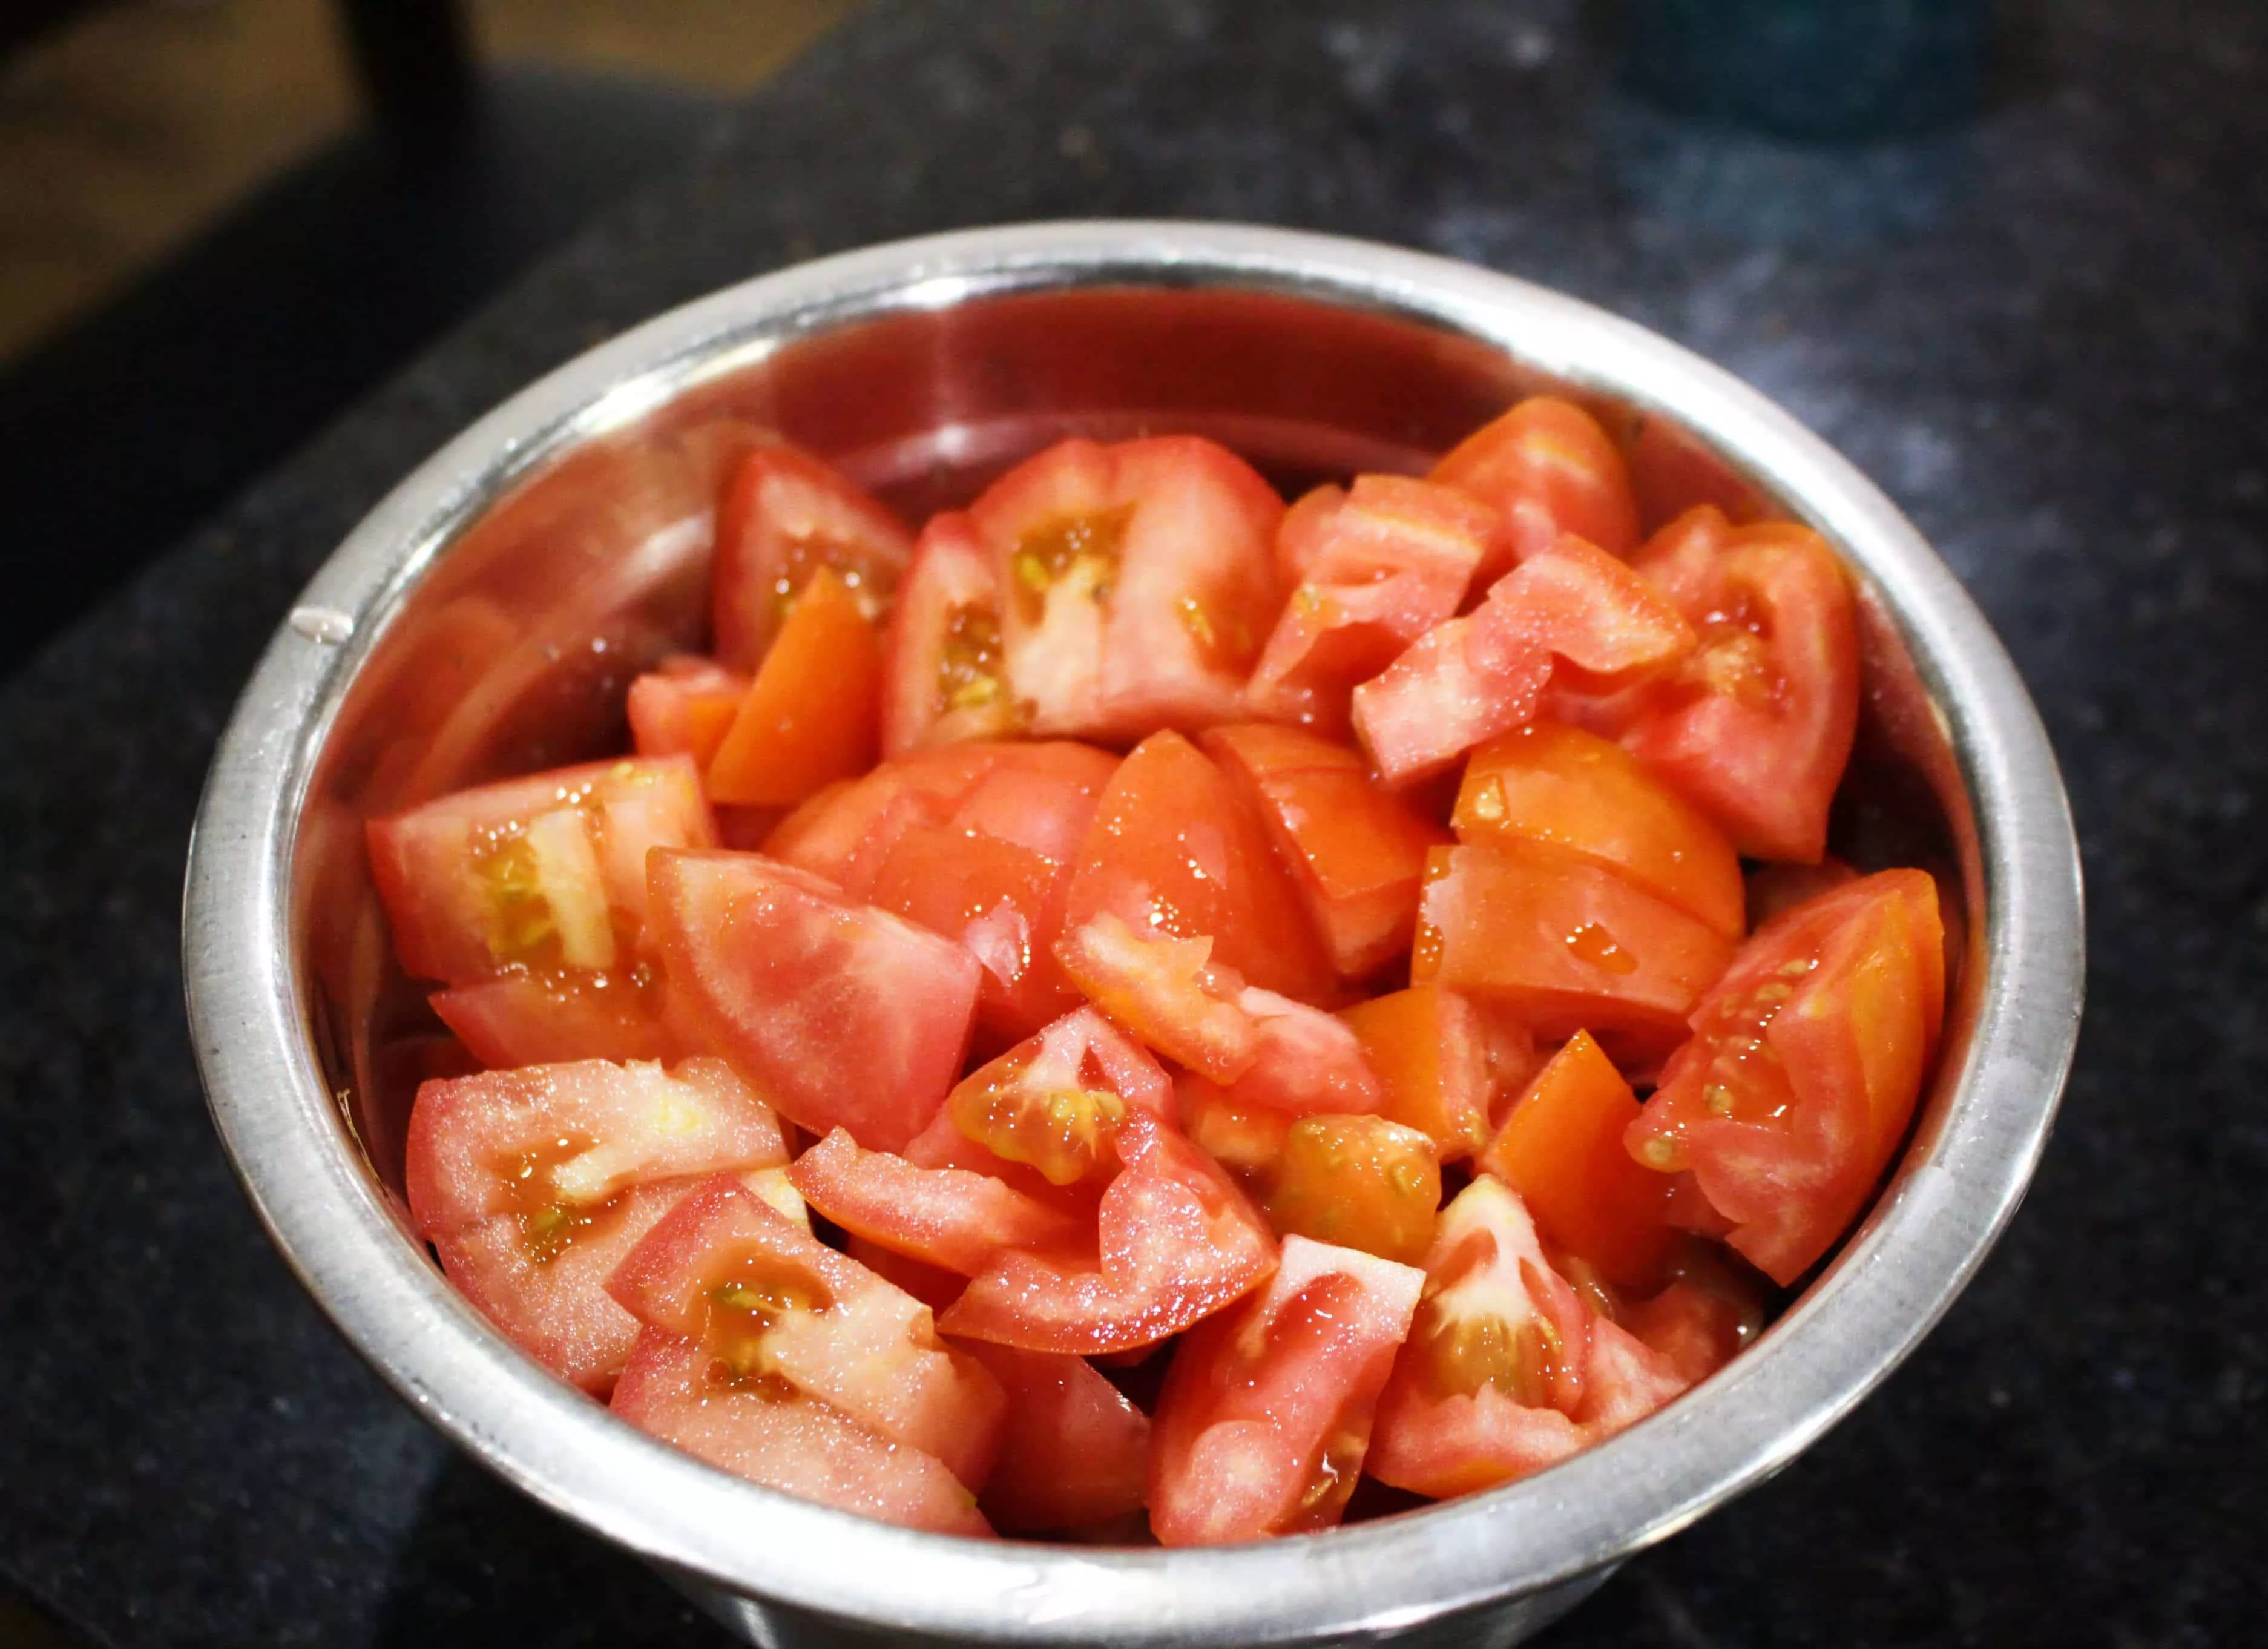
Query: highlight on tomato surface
[1126, 1012]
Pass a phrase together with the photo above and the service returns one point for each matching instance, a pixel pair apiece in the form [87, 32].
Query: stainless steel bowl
[485, 618]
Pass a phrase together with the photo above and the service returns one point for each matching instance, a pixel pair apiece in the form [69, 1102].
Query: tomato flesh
[1359, 1181]
[812, 715]
[1076, 1453]
[1546, 468]
[1246, 1139]
[945, 671]
[1703, 1318]
[1055, 1101]
[1429, 1047]
[685, 707]
[784, 516]
[1267, 1408]
[949, 1218]
[556, 1018]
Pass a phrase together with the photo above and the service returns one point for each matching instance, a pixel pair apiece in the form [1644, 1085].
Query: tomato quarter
[784, 516]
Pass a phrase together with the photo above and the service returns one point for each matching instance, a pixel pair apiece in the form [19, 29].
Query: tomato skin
[1075, 1452]
[1561, 1148]
[943, 669]
[1379, 567]
[1546, 468]
[949, 1218]
[1178, 1241]
[1473, 679]
[1804, 1068]
[1565, 945]
[1557, 785]
[539, 872]
[793, 985]
[812, 714]
[1356, 852]
[684, 706]
[1266, 1411]
[783, 515]
[1757, 725]
[1173, 849]
[1359, 1182]
[556, 1019]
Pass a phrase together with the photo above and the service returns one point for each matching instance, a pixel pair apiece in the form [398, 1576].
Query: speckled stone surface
[2043, 335]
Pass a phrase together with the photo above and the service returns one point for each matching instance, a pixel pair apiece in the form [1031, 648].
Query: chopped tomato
[1772, 889]
[1430, 1048]
[1756, 725]
[1137, 582]
[1056, 1100]
[1557, 785]
[1506, 1371]
[933, 1285]
[1304, 1061]
[1173, 850]
[684, 707]
[676, 1390]
[1266, 1412]
[553, 1019]
[1561, 1148]
[945, 670]
[812, 715]
[784, 517]
[1384, 564]
[1475, 678]
[775, 969]
[949, 1218]
[1245, 1138]
[1706, 1315]
[1804, 1067]
[1546, 468]
[781, 1314]
[1305, 531]
[1564, 944]
[1178, 1241]
[1356, 852]
[1361, 1181]
[532, 1184]
[1075, 1452]
[539, 872]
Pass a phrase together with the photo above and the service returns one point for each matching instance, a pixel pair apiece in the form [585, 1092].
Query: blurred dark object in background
[1810, 68]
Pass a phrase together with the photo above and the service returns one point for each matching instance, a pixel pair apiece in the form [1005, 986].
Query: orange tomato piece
[1546, 468]
[1357, 1181]
[812, 714]
[1430, 1048]
[686, 704]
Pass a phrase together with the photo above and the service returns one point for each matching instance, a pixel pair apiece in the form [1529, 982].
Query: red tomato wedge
[1565, 945]
[1804, 1067]
[1266, 1412]
[685, 707]
[1703, 1318]
[1178, 1241]
[1506, 1371]
[945, 670]
[532, 1184]
[1430, 1048]
[1569, 789]
[785, 516]
[812, 714]
[1137, 583]
[1356, 852]
[672, 1389]
[1055, 1101]
[1174, 850]
[798, 987]
[555, 1019]
[1474, 678]
[783, 1314]
[1546, 468]
[1561, 1148]
[1756, 726]
[1379, 567]
[539, 872]
[1075, 1452]
[948, 1218]
[1361, 1181]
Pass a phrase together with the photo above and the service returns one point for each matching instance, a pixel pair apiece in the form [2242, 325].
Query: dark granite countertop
[2047, 334]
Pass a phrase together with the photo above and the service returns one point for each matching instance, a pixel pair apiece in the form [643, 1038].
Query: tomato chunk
[1703, 1317]
[1561, 1148]
[532, 1184]
[784, 516]
[796, 986]
[541, 872]
[555, 1019]
[1564, 944]
[1360, 1181]
[675, 1389]
[1055, 1101]
[1075, 1452]
[1266, 1412]
[1137, 583]
[1804, 1067]
[949, 1218]
[1570, 789]
[945, 668]
[1506, 1371]
[1380, 566]
[1546, 468]
[811, 715]
[1178, 1241]
[1246, 1139]
[1430, 1048]
[933, 1285]
[685, 708]
[1356, 852]
[1756, 726]
[783, 1313]
[1173, 850]
[1472, 679]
